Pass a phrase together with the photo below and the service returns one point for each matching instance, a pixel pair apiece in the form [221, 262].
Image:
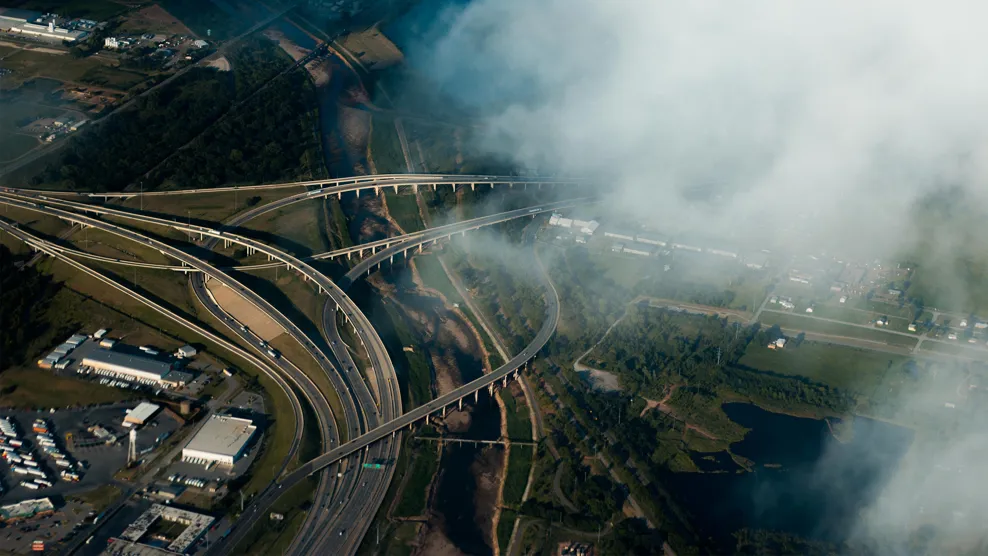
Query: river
[804, 482]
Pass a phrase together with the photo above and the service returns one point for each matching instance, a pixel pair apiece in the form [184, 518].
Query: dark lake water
[814, 486]
[294, 34]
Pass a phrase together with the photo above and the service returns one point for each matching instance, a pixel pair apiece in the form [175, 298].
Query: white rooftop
[142, 412]
[223, 435]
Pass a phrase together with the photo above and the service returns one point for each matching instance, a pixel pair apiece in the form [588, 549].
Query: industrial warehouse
[196, 524]
[45, 25]
[221, 440]
[135, 367]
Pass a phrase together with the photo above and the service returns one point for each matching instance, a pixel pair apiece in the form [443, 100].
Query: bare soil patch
[155, 19]
[663, 406]
[436, 543]
[244, 312]
[373, 49]
[221, 64]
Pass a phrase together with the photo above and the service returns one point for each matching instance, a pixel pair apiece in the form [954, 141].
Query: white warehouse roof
[142, 413]
[122, 362]
[223, 436]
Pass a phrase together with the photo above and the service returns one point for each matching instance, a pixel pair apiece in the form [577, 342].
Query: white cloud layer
[830, 118]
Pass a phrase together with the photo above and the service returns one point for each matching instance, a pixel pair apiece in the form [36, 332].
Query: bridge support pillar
[358, 193]
[476, 395]
[415, 188]
[490, 389]
[473, 187]
[348, 255]
[444, 412]
[393, 433]
[420, 248]
[410, 425]
[396, 189]
[504, 382]
[339, 195]
[377, 191]
[461, 404]
[391, 260]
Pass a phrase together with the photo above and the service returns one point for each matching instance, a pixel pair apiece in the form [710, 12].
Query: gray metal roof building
[127, 364]
[221, 440]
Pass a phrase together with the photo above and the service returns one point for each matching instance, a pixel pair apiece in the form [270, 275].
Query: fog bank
[754, 120]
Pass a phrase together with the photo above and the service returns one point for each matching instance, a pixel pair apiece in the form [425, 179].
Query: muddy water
[466, 492]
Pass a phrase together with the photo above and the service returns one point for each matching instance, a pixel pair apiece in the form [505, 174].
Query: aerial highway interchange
[347, 496]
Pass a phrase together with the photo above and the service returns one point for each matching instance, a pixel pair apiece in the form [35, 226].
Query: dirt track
[244, 312]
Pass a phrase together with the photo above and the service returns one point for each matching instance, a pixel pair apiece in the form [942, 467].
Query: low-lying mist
[810, 127]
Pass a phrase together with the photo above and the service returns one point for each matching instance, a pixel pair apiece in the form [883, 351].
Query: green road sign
[373, 466]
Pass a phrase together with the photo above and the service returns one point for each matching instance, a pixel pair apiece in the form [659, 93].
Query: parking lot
[115, 526]
[98, 461]
[17, 537]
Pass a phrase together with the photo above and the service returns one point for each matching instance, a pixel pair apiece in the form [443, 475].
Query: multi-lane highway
[344, 515]
[283, 384]
[431, 234]
[316, 398]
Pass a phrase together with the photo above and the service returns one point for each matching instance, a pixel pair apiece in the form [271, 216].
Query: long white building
[127, 365]
[221, 440]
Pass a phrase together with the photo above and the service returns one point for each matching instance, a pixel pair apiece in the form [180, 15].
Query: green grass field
[29, 64]
[519, 463]
[298, 229]
[88, 9]
[274, 537]
[212, 207]
[962, 349]
[99, 497]
[384, 147]
[433, 275]
[405, 211]
[804, 324]
[339, 228]
[28, 388]
[504, 528]
[516, 412]
[855, 316]
[423, 469]
[15, 145]
[854, 369]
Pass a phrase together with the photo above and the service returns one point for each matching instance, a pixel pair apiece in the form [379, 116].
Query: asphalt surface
[282, 383]
[337, 186]
[353, 386]
[333, 510]
[360, 520]
[372, 246]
